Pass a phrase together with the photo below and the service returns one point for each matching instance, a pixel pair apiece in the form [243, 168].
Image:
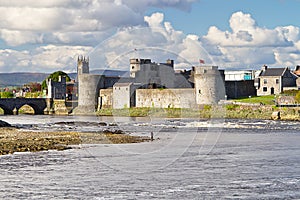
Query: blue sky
[203, 14]
[49, 35]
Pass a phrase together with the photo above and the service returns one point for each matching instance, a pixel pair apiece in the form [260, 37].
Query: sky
[49, 35]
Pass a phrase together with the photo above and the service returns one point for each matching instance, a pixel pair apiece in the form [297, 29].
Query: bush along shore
[16, 140]
[229, 111]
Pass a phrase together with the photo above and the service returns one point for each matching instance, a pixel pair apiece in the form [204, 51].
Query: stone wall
[298, 82]
[122, 95]
[166, 98]
[269, 85]
[105, 99]
[236, 89]
[59, 107]
[209, 84]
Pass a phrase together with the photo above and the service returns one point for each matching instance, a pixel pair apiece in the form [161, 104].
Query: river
[189, 159]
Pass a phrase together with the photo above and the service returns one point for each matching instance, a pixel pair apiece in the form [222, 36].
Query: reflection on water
[192, 159]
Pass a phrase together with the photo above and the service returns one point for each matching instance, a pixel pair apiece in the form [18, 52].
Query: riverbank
[229, 111]
[17, 140]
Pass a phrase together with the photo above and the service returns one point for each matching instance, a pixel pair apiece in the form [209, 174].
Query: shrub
[6, 95]
[231, 107]
[297, 97]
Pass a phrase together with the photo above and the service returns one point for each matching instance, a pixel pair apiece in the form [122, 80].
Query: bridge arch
[36, 108]
[6, 109]
[26, 109]
[10, 104]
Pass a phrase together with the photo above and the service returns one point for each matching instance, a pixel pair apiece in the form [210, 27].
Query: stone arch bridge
[11, 106]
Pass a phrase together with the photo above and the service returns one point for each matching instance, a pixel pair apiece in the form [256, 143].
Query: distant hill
[20, 78]
[110, 72]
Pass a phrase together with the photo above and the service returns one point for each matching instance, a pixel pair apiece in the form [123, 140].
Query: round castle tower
[209, 85]
[88, 87]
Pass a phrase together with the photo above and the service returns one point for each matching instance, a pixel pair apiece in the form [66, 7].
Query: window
[265, 81]
[277, 81]
[265, 89]
[199, 91]
[132, 67]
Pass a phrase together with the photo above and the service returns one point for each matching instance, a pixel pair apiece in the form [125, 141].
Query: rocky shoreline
[227, 111]
[17, 140]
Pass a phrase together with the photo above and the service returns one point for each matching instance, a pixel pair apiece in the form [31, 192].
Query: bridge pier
[15, 111]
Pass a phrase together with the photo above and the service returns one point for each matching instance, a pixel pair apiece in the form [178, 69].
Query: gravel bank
[18, 140]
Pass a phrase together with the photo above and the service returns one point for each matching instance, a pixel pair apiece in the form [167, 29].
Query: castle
[150, 85]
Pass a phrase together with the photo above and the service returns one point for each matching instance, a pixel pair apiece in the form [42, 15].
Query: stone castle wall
[89, 86]
[166, 98]
[236, 89]
[208, 82]
[209, 85]
[105, 99]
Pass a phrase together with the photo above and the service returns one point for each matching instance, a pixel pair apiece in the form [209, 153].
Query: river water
[189, 159]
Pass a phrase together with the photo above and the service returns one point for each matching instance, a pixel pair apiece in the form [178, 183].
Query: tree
[55, 77]
[33, 86]
[6, 95]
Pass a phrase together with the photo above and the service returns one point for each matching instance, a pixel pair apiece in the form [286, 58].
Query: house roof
[273, 72]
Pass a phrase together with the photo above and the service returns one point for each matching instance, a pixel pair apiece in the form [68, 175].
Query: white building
[242, 75]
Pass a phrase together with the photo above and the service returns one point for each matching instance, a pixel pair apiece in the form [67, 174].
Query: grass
[205, 112]
[208, 112]
[265, 100]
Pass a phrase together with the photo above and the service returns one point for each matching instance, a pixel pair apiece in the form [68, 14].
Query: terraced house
[274, 80]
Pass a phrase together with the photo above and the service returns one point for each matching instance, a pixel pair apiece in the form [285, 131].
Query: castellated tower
[82, 65]
[88, 87]
[135, 65]
[209, 84]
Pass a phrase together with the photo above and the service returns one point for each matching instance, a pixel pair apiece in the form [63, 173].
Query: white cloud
[42, 59]
[245, 32]
[12, 59]
[247, 44]
[89, 22]
[38, 18]
[158, 41]
[143, 4]
[58, 30]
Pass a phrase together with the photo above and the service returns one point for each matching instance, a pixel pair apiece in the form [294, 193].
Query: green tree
[55, 77]
[6, 95]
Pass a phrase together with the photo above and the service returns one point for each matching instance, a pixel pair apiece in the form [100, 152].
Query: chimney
[170, 62]
[264, 68]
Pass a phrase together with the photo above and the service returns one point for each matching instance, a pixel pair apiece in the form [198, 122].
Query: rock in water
[4, 124]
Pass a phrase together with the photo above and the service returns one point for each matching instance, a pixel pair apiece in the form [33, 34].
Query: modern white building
[242, 75]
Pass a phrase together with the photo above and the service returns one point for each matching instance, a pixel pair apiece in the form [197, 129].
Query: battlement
[83, 65]
[140, 61]
[205, 69]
